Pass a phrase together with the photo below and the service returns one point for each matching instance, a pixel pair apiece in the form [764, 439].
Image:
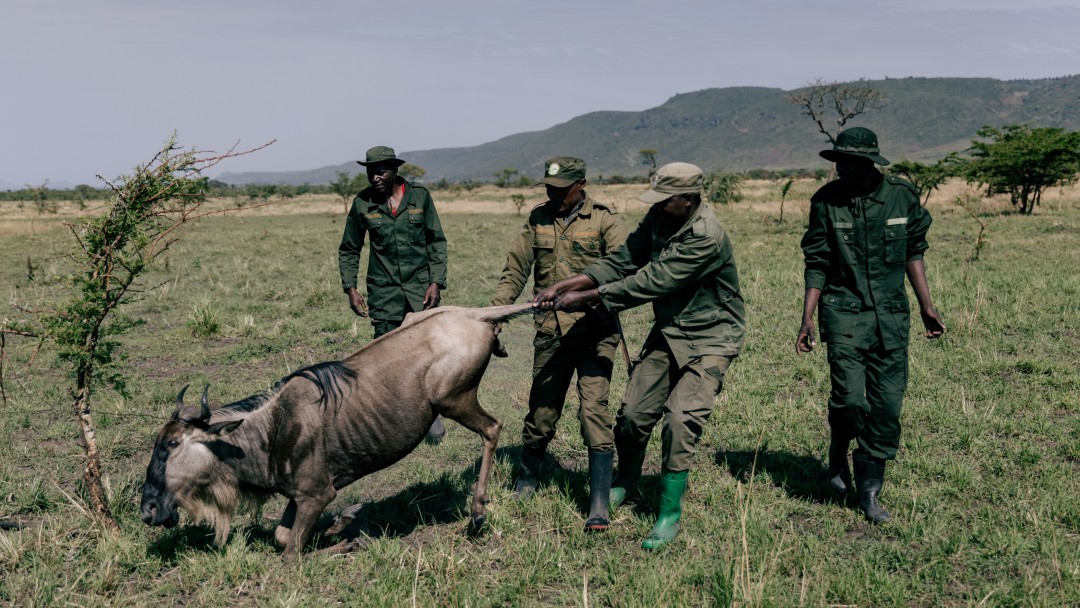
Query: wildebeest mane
[327, 376]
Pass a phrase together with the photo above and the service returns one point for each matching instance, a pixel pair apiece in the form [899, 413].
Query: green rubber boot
[630, 461]
[672, 488]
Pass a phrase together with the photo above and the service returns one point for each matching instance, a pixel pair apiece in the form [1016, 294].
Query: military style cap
[673, 179]
[856, 141]
[561, 171]
[381, 154]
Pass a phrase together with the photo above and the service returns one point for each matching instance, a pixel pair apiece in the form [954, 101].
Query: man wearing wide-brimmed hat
[407, 259]
[866, 232]
[561, 237]
[680, 260]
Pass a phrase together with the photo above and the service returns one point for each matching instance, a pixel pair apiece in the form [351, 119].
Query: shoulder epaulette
[899, 181]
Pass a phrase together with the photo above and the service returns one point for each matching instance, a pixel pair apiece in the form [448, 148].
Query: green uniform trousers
[381, 327]
[867, 390]
[555, 359]
[684, 396]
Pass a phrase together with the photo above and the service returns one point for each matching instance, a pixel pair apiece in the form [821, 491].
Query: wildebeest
[323, 427]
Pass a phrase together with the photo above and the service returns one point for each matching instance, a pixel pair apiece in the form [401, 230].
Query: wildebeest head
[184, 471]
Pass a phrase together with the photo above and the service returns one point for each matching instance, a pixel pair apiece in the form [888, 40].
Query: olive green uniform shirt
[856, 251]
[553, 249]
[407, 253]
[689, 277]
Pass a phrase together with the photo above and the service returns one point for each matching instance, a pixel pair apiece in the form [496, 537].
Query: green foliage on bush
[1023, 162]
[722, 187]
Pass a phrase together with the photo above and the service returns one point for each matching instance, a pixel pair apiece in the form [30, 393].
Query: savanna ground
[984, 494]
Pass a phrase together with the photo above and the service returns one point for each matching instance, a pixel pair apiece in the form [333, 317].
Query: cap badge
[553, 168]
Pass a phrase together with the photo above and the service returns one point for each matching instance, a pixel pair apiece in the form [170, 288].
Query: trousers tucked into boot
[838, 475]
[672, 488]
[599, 490]
[529, 478]
[630, 461]
[869, 478]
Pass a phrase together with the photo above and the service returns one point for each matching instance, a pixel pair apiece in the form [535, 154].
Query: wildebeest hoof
[476, 524]
[437, 432]
[346, 546]
[340, 523]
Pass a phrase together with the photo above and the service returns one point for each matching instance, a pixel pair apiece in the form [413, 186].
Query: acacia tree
[1023, 162]
[411, 172]
[150, 211]
[343, 187]
[820, 100]
[927, 178]
[648, 158]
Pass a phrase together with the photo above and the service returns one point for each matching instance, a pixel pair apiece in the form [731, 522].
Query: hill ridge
[745, 127]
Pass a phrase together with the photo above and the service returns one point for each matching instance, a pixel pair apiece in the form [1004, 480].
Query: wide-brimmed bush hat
[856, 141]
[381, 155]
[673, 179]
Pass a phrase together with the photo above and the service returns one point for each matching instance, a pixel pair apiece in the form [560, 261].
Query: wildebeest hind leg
[468, 413]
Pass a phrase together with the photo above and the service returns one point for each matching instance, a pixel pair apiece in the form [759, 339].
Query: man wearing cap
[866, 232]
[561, 237]
[679, 259]
[407, 259]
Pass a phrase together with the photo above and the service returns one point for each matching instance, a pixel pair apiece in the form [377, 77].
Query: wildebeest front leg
[283, 532]
[308, 509]
[470, 415]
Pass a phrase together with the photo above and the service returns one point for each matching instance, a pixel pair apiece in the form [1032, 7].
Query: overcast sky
[96, 86]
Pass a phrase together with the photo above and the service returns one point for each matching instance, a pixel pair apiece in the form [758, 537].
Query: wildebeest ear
[223, 428]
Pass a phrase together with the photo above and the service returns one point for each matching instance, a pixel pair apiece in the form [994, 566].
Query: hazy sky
[96, 86]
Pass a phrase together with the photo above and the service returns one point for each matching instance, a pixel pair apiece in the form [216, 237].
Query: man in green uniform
[680, 259]
[563, 236]
[866, 231]
[407, 258]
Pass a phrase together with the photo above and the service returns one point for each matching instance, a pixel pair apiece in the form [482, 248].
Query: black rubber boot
[630, 461]
[869, 478]
[532, 460]
[437, 432]
[599, 490]
[838, 475]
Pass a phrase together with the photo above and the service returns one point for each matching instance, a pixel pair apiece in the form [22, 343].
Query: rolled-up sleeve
[815, 247]
[680, 265]
[918, 225]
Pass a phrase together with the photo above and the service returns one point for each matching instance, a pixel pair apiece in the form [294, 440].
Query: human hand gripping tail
[577, 292]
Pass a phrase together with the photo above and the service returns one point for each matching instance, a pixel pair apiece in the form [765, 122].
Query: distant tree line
[1015, 160]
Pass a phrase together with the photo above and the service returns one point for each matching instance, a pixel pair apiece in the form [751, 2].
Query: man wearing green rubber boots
[679, 259]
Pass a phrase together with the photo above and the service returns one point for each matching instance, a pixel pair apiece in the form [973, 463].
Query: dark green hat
[673, 179]
[856, 141]
[381, 154]
[561, 171]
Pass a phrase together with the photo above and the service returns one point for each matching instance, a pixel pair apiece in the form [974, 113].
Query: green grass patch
[984, 493]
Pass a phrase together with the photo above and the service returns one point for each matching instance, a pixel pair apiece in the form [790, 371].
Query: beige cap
[673, 179]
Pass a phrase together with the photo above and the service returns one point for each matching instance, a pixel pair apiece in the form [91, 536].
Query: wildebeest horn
[180, 398]
[204, 413]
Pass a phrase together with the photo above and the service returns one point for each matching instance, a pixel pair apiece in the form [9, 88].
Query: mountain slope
[741, 128]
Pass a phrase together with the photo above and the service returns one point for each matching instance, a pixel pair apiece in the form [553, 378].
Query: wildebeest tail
[496, 314]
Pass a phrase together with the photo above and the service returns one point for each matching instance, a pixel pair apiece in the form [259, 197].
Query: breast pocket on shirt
[376, 229]
[417, 233]
[845, 242]
[895, 243]
[586, 249]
